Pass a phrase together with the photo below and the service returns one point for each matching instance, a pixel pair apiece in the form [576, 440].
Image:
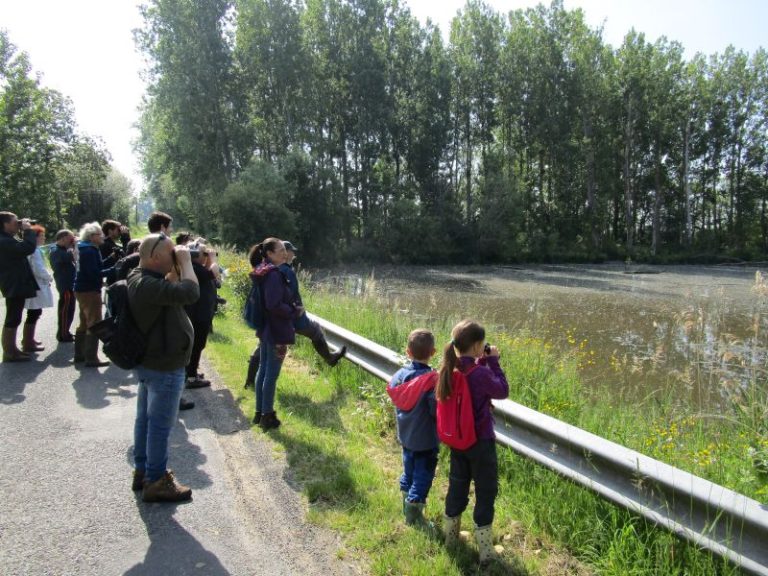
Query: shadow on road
[172, 550]
[94, 386]
[14, 377]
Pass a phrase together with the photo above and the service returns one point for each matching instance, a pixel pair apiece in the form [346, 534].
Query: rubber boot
[414, 516]
[451, 527]
[91, 350]
[253, 368]
[10, 352]
[28, 342]
[484, 539]
[79, 347]
[405, 497]
[321, 347]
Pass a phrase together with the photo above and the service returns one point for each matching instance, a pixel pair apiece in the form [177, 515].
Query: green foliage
[256, 207]
[524, 136]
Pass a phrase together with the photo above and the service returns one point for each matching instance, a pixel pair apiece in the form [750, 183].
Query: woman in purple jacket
[278, 331]
[478, 463]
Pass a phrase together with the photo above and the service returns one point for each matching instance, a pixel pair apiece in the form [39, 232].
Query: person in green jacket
[158, 290]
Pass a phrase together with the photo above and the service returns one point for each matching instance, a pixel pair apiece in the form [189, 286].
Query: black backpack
[124, 343]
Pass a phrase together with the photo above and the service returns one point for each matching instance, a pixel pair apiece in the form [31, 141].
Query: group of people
[172, 297]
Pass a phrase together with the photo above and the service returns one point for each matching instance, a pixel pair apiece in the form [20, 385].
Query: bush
[255, 207]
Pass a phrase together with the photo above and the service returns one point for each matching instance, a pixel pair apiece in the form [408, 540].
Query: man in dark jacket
[157, 305]
[17, 283]
[62, 258]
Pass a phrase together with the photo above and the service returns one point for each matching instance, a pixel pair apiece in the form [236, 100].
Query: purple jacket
[278, 300]
[486, 383]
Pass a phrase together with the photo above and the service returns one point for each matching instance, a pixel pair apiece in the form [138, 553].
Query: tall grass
[338, 438]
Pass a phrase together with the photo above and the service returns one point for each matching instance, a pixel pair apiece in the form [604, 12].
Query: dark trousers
[33, 315]
[14, 308]
[202, 329]
[418, 473]
[66, 312]
[479, 463]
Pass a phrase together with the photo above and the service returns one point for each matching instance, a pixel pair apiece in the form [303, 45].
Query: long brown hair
[464, 335]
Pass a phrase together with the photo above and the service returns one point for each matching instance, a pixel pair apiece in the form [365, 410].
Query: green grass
[338, 439]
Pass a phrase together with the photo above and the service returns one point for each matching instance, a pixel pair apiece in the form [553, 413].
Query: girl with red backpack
[468, 354]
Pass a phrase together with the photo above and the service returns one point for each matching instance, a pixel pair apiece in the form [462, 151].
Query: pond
[692, 333]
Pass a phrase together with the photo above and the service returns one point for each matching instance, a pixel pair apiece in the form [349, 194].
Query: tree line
[48, 170]
[351, 128]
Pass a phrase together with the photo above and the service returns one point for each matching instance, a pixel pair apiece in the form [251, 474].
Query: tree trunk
[687, 186]
[627, 177]
[657, 200]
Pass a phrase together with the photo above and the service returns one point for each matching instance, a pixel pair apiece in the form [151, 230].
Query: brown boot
[28, 342]
[10, 352]
[166, 489]
[91, 350]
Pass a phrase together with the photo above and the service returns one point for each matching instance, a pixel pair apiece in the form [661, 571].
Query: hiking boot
[65, 338]
[257, 417]
[138, 480]
[269, 421]
[196, 382]
[166, 489]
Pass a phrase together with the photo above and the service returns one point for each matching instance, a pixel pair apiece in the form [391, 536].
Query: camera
[194, 253]
[487, 349]
[32, 221]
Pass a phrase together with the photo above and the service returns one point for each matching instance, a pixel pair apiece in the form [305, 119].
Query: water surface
[689, 332]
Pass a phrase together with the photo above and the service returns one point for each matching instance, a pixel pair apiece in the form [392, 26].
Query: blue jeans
[271, 358]
[157, 407]
[418, 473]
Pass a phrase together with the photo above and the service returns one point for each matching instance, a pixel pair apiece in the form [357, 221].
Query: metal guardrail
[720, 520]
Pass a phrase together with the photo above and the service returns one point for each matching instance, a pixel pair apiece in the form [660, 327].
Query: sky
[85, 48]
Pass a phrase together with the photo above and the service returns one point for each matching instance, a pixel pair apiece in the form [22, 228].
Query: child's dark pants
[479, 463]
[418, 473]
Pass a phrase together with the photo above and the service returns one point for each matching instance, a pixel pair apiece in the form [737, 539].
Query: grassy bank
[338, 438]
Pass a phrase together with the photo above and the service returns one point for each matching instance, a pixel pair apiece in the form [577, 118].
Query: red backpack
[455, 416]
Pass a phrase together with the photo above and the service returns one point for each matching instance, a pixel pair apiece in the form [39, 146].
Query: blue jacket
[90, 268]
[63, 265]
[416, 428]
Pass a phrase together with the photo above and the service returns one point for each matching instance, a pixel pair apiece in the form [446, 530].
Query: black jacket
[16, 278]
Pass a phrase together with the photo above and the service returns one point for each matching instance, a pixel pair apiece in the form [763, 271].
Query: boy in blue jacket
[412, 390]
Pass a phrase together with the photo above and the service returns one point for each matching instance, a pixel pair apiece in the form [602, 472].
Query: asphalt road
[66, 506]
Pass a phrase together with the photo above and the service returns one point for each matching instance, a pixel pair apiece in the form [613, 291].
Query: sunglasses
[160, 238]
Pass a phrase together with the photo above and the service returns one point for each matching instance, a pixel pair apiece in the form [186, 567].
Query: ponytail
[258, 252]
[463, 336]
[443, 388]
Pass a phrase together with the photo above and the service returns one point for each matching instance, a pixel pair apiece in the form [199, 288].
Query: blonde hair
[89, 230]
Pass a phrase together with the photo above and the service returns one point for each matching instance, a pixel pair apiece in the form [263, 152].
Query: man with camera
[17, 283]
[158, 290]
